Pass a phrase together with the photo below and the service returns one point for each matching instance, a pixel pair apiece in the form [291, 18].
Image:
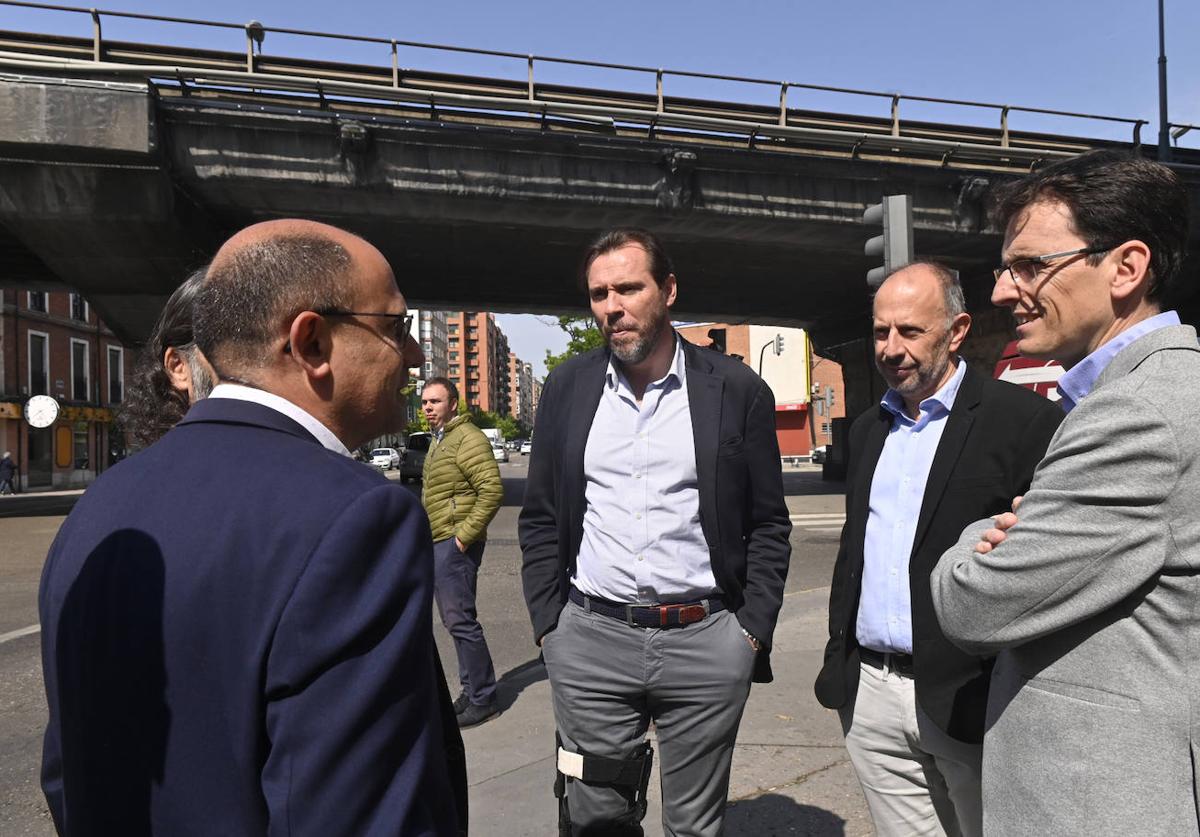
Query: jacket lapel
[950, 448]
[586, 390]
[705, 396]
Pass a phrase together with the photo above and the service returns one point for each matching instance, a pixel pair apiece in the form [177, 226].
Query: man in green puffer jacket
[461, 494]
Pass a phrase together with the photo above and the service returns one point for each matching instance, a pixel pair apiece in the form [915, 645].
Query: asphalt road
[28, 525]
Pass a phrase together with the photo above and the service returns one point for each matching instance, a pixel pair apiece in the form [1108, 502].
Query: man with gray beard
[655, 542]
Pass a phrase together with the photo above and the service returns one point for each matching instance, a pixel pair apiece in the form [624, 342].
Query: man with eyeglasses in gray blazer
[1087, 592]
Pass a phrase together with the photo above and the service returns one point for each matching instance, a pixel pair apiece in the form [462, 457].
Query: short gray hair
[261, 285]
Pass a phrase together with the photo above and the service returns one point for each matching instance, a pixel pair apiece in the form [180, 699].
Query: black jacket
[994, 437]
[742, 512]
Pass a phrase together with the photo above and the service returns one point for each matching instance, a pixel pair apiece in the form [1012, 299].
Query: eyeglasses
[1025, 271]
[401, 323]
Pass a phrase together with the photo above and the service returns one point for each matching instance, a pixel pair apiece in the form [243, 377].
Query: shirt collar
[615, 379]
[302, 417]
[941, 401]
[1079, 380]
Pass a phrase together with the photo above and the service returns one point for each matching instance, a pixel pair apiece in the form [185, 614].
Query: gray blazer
[1092, 606]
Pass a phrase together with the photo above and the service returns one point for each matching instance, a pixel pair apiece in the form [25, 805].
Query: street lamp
[1164, 142]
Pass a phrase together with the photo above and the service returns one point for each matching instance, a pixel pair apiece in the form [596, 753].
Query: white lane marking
[17, 634]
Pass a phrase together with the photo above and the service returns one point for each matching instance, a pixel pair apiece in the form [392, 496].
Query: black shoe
[461, 702]
[476, 714]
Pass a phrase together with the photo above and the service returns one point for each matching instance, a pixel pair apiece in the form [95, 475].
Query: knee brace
[632, 772]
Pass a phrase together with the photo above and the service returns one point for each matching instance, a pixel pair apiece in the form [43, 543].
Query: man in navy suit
[247, 649]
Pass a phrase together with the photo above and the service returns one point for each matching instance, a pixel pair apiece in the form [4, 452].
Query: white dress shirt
[642, 541]
[305, 419]
[897, 493]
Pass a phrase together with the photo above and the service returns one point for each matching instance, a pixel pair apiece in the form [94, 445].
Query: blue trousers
[455, 575]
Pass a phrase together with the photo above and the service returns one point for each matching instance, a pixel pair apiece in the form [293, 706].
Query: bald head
[932, 278]
[267, 273]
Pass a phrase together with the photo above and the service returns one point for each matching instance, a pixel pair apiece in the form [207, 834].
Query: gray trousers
[454, 577]
[609, 680]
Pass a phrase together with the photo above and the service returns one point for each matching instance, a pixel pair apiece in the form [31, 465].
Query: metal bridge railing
[254, 34]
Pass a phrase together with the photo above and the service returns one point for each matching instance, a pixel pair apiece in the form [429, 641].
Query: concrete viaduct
[122, 166]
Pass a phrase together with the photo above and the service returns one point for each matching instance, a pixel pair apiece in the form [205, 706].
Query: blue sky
[1098, 56]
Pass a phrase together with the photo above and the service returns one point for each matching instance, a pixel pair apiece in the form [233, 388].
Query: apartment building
[520, 390]
[53, 344]
[477, 360]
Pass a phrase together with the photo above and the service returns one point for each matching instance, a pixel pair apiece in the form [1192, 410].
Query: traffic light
[778, 344]
[895, 245]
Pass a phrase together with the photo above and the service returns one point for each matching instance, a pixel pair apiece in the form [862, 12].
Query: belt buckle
[683, 612]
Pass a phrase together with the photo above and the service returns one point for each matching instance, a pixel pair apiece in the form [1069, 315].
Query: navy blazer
[236, 639]
[743, 516]
[994, 437]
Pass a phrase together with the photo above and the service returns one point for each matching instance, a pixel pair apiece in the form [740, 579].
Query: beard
[926, 375]
[639, 348]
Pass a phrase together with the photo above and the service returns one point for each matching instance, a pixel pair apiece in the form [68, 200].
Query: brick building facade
[808, 389]
[477, 360]
[54, 344]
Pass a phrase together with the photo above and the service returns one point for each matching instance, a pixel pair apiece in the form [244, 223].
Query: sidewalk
[791, 775]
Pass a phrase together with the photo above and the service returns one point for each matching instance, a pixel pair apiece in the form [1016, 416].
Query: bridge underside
[118, 190]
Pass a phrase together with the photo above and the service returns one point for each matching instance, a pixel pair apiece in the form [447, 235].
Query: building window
[81, 449]
[116, 375]
[452, 328]
[826, 428]
[37, 301]
[453, 369]
[79, 370]
[39, 363]
[79, 308]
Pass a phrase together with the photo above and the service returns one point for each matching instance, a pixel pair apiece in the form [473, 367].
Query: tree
[583, 336]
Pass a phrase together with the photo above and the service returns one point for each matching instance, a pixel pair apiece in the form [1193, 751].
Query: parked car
[527, 447]
[413, 463]
[385, 458]
[820, 454]
[499, 452]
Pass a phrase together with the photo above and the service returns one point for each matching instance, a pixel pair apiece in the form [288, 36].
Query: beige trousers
[917, 779]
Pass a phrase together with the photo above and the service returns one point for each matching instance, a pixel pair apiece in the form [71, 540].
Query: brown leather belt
[649, 616]
[899, 663]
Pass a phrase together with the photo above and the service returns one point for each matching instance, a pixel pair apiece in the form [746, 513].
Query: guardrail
[655, 109]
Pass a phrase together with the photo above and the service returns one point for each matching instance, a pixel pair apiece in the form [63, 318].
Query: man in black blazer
[247, 649]
[947, 446]
[655, 540]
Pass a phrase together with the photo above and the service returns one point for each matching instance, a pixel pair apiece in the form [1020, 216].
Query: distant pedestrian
[655, 541]
[946, 445]
[461, 492]
[248, 649]
[8, 470]
[1088, 594]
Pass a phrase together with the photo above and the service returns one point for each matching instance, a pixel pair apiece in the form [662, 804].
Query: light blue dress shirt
[897, 492]
[642, 541]
[1078, 381]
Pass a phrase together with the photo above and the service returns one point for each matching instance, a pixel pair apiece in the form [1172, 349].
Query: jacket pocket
[1086, 694]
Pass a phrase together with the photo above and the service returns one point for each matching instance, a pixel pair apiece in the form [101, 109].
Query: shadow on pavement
[516, 680]
[38, 505]
[772, 815]
[806, 483]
